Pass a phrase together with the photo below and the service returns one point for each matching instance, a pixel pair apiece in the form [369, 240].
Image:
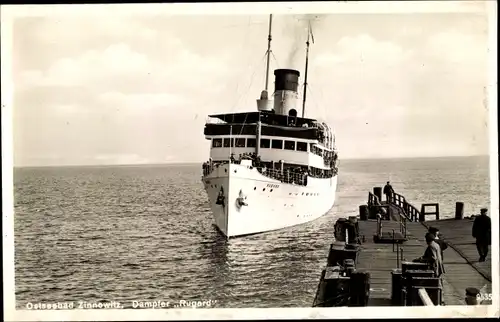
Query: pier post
[459, 210]
[363, 212]
[422, 214]
[396, 287]
[377, 191]
[359, 288]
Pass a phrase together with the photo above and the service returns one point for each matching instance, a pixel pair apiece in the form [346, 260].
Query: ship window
[251, 143]
[290, 145]
[277, 144]
[302, 146]
[228, 142]
[216, 143]
[265, 143]
[240, 143]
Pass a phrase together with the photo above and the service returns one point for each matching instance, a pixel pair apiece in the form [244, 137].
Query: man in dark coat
[387, 191]
[432, 255]
[481, 230]
[442, 244]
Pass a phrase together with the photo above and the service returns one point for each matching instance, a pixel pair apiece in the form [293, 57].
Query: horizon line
[200, 162]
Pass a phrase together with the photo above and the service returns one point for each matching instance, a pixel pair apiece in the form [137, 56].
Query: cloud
[362, 48]
[79, 29]
[141, 102]
[108, 90]
[120, 68]
[117, 60]
[366, 48]
[458, 48]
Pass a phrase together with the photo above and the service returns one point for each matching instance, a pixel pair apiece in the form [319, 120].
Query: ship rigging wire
[250, 83]
[248, 90]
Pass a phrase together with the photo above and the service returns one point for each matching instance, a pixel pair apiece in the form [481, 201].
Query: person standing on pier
[481, 231]
[442, 244]
[432, 255]
[388, 191]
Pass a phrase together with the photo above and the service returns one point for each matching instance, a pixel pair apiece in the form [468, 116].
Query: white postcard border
[9, 13]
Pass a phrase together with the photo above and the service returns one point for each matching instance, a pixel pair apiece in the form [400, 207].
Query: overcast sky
[108, 89]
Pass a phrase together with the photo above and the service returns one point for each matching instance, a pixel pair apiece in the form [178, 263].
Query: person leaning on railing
[432, 255]
[442, 244]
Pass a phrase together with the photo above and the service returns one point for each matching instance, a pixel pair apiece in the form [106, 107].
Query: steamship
[270, 169]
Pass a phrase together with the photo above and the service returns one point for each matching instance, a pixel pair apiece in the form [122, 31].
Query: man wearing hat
[442, 244]
[432, 255]
[481, 231]
[471, 296]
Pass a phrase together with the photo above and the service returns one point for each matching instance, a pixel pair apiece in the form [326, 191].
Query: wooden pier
[390, 235]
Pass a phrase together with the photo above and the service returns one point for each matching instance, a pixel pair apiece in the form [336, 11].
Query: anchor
[240, 201]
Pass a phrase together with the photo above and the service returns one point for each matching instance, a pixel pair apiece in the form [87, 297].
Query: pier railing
[409, 211]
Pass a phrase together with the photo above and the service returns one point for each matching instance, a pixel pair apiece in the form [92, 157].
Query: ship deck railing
[290, 177]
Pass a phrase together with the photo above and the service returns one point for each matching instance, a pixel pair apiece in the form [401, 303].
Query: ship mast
[269, 38]
[309, 34]
[263, 104]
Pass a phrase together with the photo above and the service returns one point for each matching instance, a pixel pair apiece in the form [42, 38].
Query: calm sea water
[145, 233]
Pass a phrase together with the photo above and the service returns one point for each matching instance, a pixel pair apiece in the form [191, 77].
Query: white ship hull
[269, 204]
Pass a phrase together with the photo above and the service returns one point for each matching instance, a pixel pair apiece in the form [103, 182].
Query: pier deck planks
[380, 259]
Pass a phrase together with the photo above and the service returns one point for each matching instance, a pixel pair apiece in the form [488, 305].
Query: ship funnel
[286, 82]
